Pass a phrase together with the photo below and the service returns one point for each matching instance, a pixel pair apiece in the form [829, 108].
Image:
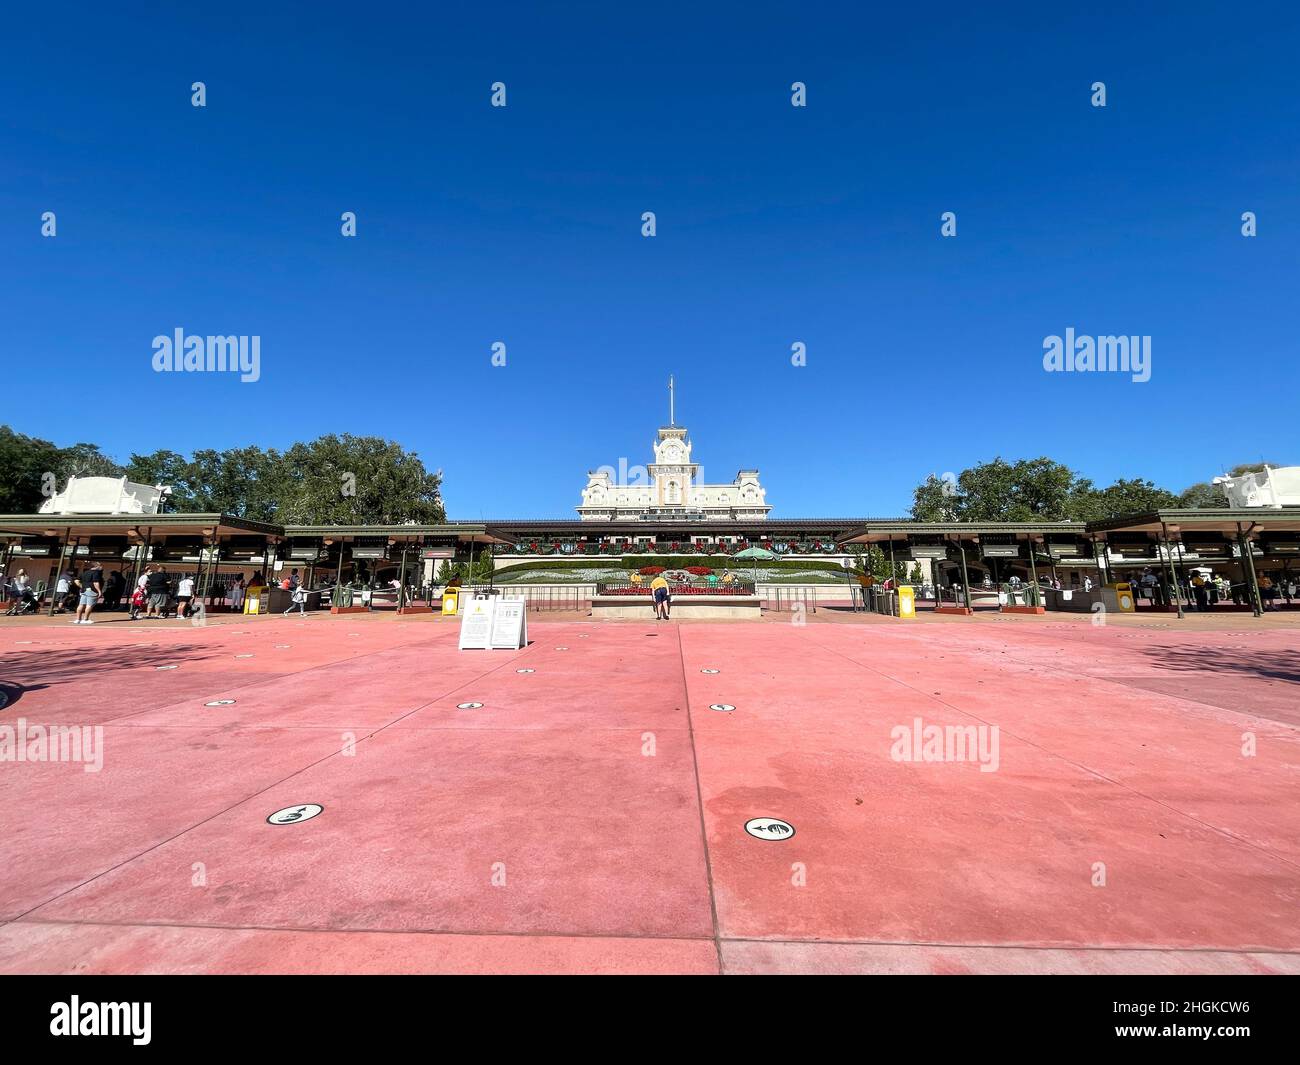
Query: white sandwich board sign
[492, 623]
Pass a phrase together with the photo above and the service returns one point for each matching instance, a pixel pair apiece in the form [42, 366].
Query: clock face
[672, 453]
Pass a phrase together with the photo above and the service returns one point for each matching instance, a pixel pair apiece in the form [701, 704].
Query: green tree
[166, 468]
[1135, 496]
[1025, 490]
[24, 461]
[359, 480]
[32, 469]
[935, 500]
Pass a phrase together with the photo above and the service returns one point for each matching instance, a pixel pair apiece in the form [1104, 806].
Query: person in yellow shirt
[659, 589]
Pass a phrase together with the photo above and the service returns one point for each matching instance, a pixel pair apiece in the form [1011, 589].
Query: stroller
[24, 602]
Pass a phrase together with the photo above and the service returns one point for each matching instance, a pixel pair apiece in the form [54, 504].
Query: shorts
[158, 601]
[184, 598]
[89, 598]
[661, 595]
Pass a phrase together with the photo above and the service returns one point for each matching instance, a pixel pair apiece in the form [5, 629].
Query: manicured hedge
[629, 563]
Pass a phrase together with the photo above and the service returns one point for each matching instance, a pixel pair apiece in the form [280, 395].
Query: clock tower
[672, 473]
[672, 488]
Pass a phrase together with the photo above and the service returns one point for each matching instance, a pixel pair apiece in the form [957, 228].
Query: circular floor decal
[525, 671]
[221, 702]
[166, 667]
[291, 815]
[722, 708]
[708, 671]
[768, 828]
[468, 706]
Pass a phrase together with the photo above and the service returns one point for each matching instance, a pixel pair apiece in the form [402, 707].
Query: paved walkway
[590, 815]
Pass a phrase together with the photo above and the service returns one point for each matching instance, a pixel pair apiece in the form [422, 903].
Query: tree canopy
[1032, 490]
[332, 480]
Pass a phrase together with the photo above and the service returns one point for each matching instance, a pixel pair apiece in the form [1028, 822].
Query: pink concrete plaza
[589, 816]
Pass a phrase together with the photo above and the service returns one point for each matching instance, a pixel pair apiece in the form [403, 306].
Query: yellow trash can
[253, 599]
[450, 601]
[1124, 598]
[906, 601]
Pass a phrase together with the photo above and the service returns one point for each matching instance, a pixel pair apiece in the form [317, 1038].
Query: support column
[212, 567]
[1248, 568]
[893, 573]
[965, 580]
[1169, 564]
[63, 551]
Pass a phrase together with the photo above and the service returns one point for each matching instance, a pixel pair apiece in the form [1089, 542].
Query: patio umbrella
[755, 553]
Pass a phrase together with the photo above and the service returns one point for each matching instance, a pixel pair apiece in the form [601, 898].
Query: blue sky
[775, 225]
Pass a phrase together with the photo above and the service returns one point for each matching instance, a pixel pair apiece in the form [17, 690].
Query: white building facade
[671, 488]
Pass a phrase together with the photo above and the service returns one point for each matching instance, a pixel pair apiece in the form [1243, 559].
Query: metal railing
[702, 588]
[537, 596]
[788, 600]
[1020, 595]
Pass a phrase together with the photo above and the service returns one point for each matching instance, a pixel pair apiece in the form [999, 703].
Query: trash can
[253, 599]
[1123, 597]
[906, 601]
[450, 601]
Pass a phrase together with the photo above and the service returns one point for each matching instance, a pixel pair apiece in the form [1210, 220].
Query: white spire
[672, 418]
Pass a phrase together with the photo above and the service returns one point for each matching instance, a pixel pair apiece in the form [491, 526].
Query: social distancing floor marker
[468, 706]
[221, 702]
[708, 671]
[561, 648]
[292, 815]
[282, 646]
[243, 656]
[166, 667]
[769, 828]
[722, 708]
[525, 671]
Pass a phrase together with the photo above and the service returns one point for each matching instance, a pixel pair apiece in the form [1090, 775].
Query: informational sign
[509, 625]
[492, 623]
[476, 624]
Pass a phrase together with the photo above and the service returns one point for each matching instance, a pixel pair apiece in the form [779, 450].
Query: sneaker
[87, 622]
[74, 622]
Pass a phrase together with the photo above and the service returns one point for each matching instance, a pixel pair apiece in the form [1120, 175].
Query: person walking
[237, 593]
[62, 589]
[184, 596]
[297, 598]
[92, 590]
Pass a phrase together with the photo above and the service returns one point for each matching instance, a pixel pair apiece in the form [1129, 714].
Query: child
[298, 598]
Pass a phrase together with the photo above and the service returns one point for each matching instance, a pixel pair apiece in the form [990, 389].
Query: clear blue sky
[775, 225]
